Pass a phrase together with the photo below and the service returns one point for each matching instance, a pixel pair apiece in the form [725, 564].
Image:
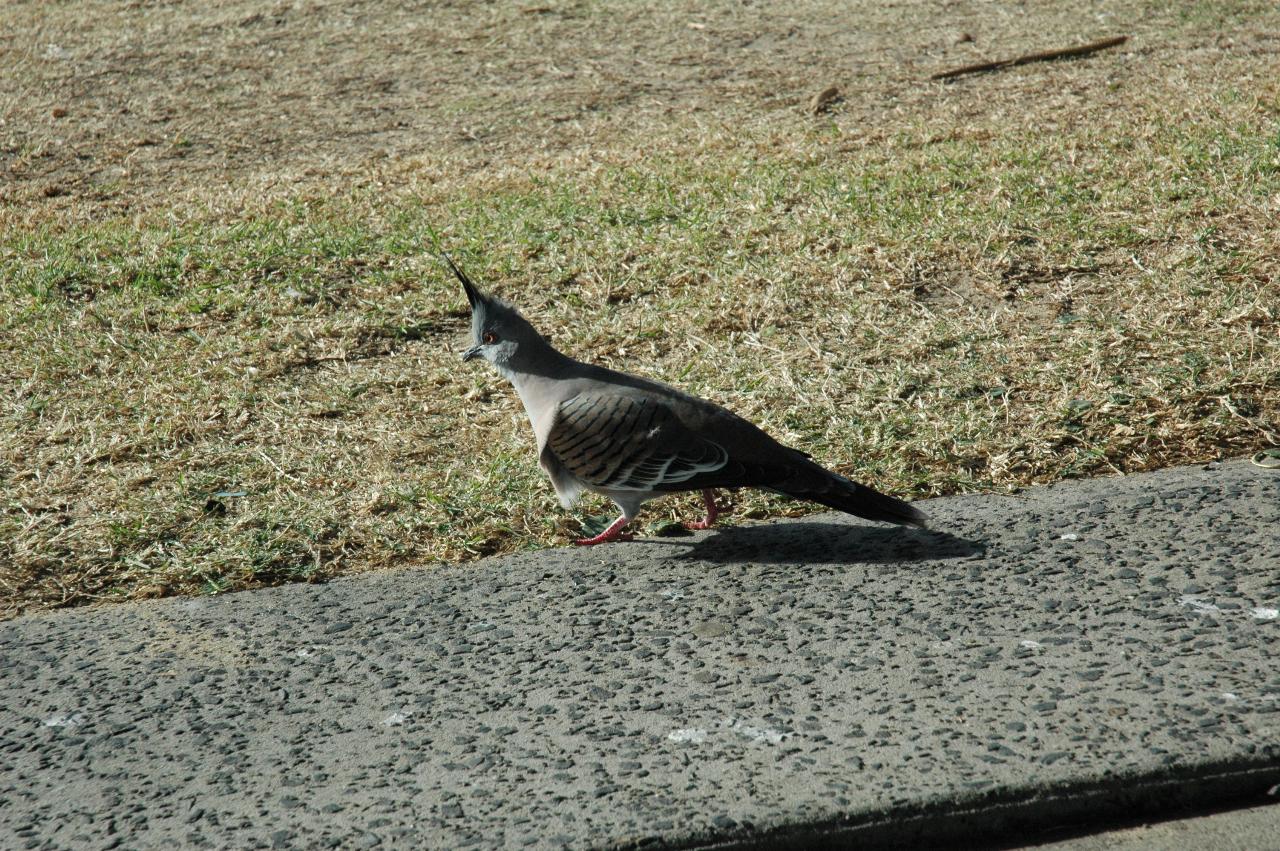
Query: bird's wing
[630, 442]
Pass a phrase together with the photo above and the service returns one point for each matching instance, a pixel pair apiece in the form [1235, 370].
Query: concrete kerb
[1092, 650]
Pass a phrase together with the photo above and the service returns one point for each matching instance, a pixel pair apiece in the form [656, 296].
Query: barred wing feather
[625, 442]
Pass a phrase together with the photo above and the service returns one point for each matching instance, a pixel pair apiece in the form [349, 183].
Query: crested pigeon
[631, 439]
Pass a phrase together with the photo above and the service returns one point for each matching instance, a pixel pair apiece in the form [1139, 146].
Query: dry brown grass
[1053, 271]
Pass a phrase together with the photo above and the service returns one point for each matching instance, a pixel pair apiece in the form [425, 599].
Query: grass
[209, 401]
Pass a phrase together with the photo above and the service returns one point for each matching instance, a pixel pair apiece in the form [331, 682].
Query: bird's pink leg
[713, 511]
[613, 533]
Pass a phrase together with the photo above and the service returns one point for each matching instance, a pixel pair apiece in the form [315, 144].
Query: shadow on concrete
[1004, 819]
[830, 543]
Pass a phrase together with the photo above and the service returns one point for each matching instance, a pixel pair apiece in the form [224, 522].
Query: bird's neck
[540, 385]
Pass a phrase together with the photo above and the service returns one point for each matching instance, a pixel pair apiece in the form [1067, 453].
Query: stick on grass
[1044, 56]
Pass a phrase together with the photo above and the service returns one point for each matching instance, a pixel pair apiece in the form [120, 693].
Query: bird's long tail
[852, 498]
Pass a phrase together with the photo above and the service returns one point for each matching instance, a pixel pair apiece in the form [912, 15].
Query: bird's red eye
[489, 337]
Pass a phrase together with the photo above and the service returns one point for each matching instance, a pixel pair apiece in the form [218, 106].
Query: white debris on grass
[1265, 614]
[1029, 644]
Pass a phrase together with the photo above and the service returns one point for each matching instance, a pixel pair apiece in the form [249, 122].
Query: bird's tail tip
[868, 503]
[888, 509]
[916, 518]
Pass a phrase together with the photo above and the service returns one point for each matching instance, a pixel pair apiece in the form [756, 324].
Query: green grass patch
[214, 403]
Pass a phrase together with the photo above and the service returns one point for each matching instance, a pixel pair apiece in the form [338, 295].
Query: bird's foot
[714, 510]
[602, 538]
[613, 533]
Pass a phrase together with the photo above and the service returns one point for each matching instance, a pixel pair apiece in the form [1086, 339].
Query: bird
[632, 439]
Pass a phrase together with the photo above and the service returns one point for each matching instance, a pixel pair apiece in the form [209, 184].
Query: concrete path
[1090, 650]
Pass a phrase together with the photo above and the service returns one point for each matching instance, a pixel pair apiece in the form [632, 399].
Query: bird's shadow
[829, 543]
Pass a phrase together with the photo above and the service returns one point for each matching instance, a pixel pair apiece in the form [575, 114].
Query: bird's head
[499, 333]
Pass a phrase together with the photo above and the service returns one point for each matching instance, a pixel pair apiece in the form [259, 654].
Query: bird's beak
[471, 354]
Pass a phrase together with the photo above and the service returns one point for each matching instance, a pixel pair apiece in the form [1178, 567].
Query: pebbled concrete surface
[1094, 648]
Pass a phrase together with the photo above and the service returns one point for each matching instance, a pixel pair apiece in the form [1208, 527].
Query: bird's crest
[474, 296]
[484, 306]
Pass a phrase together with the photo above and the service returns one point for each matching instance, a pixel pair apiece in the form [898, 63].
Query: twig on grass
[1043, 56]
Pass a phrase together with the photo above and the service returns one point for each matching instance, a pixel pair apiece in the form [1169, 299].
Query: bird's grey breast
[542, 397]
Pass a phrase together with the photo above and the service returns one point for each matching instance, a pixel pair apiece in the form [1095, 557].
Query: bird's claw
[714, 510]
[603, 539]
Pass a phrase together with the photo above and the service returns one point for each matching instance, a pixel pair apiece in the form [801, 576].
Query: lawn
[1057, 270]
